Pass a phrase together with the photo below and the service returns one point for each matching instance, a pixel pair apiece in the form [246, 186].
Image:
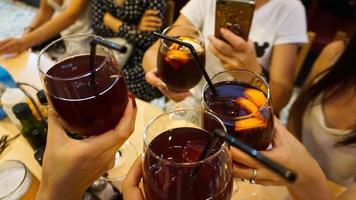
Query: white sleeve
[293, 28]
[195, 11]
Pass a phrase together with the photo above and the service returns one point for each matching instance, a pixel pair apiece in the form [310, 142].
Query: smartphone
[235, 15]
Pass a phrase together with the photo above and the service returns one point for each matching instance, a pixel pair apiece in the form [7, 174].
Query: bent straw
[107, 44]
[196, 58]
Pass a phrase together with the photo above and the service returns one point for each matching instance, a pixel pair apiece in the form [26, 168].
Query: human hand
[13, 46]
[287, 150]
[236, 54]
[150, 21]
[70, 166]
[130, 186]
[153, 79]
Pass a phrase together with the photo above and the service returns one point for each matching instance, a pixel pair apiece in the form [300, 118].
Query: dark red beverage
[242, 109]
[86, 108]
[167, 172]
[177, 67]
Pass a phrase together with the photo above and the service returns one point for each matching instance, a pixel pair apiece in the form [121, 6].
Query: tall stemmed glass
[89, 100]
[173, 143]
[175, 63]
[244, 105]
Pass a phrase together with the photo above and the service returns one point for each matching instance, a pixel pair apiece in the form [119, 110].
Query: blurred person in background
[64, 17]
[324, 115]
[278, 28]
[133, 21]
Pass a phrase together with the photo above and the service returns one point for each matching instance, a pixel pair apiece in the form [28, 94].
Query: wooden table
[23, 68]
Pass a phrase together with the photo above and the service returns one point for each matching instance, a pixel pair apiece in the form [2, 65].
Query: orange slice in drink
[249, 123]
[176, 58]
[246, 104]
[256, 96]
[174, 46]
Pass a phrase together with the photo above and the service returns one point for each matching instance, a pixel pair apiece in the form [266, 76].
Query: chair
[303, 52]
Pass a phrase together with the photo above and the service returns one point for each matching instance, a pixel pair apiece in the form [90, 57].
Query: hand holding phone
[235, 15]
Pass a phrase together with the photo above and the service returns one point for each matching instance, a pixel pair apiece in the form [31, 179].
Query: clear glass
[16, 181]
[184, 133]
[175, 64]
[258, 131]
[255, 126]
[88, 101]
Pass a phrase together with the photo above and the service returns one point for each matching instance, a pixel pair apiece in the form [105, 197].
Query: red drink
[172, 156]
[86, 109]
[242, 109]
[176, 65]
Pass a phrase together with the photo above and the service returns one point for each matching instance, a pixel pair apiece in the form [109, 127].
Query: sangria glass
[244, 105]
[176, 65]
[173, 143]
[89, 100]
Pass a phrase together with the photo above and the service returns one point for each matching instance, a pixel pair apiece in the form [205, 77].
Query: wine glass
[89, 100]
[173, 143]
[176, 65]
[244, 105]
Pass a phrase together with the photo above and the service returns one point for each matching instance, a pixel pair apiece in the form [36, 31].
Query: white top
[80, 26]
[276, 22]
[338, 163]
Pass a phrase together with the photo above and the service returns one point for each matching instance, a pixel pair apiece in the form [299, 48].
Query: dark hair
[338, 78]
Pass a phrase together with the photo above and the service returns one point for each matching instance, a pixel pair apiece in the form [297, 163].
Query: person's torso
[338, 163]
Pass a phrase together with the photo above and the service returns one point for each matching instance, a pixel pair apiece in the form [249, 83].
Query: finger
[153, 79]
[116, 137]
[152, 24]
[237, 42]
[225, 61]
[2, 42]
[152, 19]
[8, 47]
[177, 97]
[220, 45]
[241, 157]
[130, 185]
[262, 177]
[151, 12]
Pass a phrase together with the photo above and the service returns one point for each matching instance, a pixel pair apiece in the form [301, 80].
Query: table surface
[23, 68]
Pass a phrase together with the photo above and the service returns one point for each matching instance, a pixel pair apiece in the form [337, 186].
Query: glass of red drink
[173, 143]
[244, 105]
[175, 63]
[87, 104]
[84, 108]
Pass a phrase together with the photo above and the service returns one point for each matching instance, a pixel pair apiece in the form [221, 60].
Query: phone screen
[235, 15]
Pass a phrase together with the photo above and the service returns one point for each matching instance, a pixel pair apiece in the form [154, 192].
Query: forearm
[280, 93]
[111, 22]
[313, 186]
[40, 18]
[50, 29]
[48, 191]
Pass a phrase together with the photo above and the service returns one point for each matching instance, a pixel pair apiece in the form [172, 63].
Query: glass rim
[164, 32]
[264, 106]
[183, 164]
[23, 179]
[42, 53]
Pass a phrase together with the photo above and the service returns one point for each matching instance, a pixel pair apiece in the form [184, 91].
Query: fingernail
[133, 98]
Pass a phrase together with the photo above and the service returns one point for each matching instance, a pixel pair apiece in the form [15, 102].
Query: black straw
[196, 58]
[107, 44]
[274, 166]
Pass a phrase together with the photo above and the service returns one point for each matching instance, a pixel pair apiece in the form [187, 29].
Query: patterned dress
[130, 13]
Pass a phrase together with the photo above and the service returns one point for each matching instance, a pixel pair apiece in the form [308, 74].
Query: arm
[57, 24]
[282, 74]
[133, 33]
[46, 31]
[43, 15]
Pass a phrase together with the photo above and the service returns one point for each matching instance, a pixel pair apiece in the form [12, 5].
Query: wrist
[53, 191]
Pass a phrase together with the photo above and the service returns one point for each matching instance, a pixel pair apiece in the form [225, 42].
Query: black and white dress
[130, 13]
